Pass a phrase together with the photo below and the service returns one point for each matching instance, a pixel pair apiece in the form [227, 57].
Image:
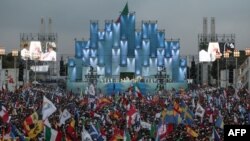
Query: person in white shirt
[25, 52]
[51, 54]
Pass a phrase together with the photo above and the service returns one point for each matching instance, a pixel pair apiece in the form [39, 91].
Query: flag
[125, 11]
[48, 108]
[193, 103]
[95, 135]
[52, 135]
[146, 125]
[71, 132]
[137, 122]
[219, 122]
[65, 115]
[235, 119]
[131, 115]
[138, 92]
[46, 122]
[177, 108]
[211, 120]
[200, 111]
[170, 128]
[104, 100]
[38, 128]
[186, 114]
[117, 135]
[161, 132]
[215, 135]
[191, 132]
[169, 118]
[126, 136]
[163, 114]
[85, 135]
[153, 130]
[15, 132]
[177, 119]
[91, 90]
[116, 115]
[30, 121]
[4, 114]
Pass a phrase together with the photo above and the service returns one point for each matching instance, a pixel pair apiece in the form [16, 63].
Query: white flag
[46, 122]
[48, 108]
[211, 118]
[91, 89]
[85, 135]
[193, 103]
[64, 116]
[235, 119]
[200, 111]
[146, 125]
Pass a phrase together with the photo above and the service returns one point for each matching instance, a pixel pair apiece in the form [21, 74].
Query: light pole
[2, 52]
[27, 55]
[226, 56]
[35, 56]
[218, 69]
[15, 54]
[236, 55]
[247, 51]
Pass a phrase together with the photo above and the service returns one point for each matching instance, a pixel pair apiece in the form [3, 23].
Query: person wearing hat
[50, 55]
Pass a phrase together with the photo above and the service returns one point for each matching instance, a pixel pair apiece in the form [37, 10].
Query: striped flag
[52, 135]
[124, 12]
[30, 121]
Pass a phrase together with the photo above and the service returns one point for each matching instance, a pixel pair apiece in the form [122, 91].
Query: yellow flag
[38, 128]
[191, 132]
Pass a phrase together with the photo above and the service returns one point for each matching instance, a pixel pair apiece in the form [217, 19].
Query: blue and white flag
[48, 108]
[85, 135]
[64, 116]
[95, 135]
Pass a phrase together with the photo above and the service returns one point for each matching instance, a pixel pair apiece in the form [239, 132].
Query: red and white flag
[4, 114]
[131, 115]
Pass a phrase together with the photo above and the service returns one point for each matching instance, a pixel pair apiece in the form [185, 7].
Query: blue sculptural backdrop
[119, 47]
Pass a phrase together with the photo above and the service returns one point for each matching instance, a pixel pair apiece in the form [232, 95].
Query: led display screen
[209, 51]
[35, 50]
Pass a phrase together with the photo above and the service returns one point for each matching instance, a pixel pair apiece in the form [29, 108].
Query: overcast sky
[70, 19]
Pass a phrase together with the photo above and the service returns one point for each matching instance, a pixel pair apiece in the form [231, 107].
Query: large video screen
[35, 50]
[209, 51]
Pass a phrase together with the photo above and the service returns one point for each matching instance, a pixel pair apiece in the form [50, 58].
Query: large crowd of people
[195, 114]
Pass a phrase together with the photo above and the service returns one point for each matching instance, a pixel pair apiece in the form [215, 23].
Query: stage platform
[111, 88]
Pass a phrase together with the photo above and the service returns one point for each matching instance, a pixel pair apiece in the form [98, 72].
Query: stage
[122, 87]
